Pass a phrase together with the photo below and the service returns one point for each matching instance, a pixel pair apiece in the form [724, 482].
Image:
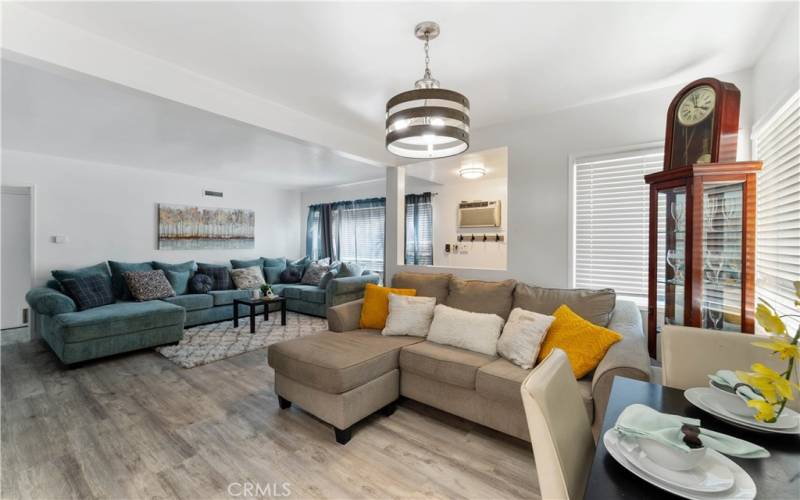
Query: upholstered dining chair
[561, 434]
[689, 354]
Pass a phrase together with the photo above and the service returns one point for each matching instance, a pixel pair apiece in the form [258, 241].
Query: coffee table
[252, 304]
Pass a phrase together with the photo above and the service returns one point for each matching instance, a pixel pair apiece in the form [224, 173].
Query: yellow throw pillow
[376, 305]
[584, 342]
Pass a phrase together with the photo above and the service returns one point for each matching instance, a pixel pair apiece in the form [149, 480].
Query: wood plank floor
[138, 426]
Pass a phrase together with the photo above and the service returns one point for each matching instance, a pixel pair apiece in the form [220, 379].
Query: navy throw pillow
[291, 275]
[93, 290]
[220, 274]
[201, 283]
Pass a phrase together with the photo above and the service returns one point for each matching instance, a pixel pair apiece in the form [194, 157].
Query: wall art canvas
[184, 227]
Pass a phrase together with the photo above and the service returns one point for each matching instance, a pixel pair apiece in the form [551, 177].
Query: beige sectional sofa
[345, 374]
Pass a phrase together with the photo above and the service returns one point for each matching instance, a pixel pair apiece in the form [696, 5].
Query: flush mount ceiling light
[427, 122]
[472, 171]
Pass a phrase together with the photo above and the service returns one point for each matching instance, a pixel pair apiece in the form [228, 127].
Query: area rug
[208, 343]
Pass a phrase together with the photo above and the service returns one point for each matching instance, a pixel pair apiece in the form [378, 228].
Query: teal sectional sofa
[127, 325]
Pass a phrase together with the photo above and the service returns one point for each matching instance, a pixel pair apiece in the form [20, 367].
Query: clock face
[696, 106]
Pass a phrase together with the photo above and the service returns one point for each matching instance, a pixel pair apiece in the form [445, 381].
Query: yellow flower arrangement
[776, 388]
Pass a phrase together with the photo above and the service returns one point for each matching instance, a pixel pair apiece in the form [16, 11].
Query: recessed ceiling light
[472, 171]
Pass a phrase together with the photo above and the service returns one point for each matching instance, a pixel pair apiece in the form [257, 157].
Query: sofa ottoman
[340, 378]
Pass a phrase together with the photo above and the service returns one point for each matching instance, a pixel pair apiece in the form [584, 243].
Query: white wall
[109, 212]
[478, 254]
[538, 180]
[776, 76]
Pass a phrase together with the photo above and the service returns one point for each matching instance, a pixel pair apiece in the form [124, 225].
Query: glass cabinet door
[671, 270]
[722, 256]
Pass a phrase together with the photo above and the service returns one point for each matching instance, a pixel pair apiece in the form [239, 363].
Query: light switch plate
[60, 239]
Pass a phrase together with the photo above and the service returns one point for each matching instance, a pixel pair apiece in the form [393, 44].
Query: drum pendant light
[427, 122]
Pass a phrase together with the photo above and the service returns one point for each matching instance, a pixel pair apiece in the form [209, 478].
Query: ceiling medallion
[427, 122]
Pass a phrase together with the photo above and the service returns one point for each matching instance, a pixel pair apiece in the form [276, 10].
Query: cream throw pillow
[248, 278]
[409, 315]
[472, 331]
[522, 336]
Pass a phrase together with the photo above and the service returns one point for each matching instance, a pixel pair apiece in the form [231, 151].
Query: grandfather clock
[702, 217]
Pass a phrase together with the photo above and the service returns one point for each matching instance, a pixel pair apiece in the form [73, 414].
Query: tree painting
[183, 227]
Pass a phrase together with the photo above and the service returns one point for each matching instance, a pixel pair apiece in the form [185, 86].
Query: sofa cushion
[349, 269]
[89, 291]
[447, 364]
[426, 285]
[291, 290]
[101, 269]
[180, 267]
[241, 264]
[522, 336]
[501, 380]
[592, 305]
[315, 295]
[117, 319]
[337, 362]
[375, 309]
[314, 273]
[224, 297]
[493, 297]
[193, 302]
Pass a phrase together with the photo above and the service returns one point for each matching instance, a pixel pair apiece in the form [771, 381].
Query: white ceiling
[340, 62]
[62, 113]
[445, 170]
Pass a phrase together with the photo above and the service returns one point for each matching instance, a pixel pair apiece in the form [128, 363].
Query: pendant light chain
[427, 75]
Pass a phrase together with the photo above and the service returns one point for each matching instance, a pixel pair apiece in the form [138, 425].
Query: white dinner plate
[743, 486]
[709, 476]
[709, 400]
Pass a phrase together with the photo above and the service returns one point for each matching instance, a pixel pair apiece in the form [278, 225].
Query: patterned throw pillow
[314, 273]
[93, 290]
[148, 285]
[248, 278]
[327, 278]
[220, 274]
[201, 283]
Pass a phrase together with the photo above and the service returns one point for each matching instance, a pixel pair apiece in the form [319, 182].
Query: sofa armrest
[345, 317]
[627, 358]
[45, 300]
[341, 290]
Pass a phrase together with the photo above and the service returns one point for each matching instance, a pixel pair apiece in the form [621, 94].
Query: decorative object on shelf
[427, 122]
[775, 388]
[472, 171]
[183, 227]
[702, 217]
[702, 124]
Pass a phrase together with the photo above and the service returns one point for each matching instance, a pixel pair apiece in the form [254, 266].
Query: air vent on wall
[215, 194]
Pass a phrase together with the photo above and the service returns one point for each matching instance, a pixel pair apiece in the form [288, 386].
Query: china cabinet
[702, 247]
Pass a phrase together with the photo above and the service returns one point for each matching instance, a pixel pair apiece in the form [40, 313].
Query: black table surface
[260, 300]
[776, 477]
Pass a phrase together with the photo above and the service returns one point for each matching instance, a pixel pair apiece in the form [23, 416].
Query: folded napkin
[641, 421]
[728, 380]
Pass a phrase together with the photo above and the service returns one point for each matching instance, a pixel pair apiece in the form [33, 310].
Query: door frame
[29, 189]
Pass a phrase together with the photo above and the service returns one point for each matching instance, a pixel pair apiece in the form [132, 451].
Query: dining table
[776, 477]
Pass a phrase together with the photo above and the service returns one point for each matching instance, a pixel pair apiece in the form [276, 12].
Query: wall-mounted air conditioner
[479, 214]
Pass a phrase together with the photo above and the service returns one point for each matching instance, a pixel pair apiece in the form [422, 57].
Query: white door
[15, 253]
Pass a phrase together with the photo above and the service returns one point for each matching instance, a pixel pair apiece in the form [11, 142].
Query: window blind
[361, 227]
[611, 220]
[777, 144]
[419, 229]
